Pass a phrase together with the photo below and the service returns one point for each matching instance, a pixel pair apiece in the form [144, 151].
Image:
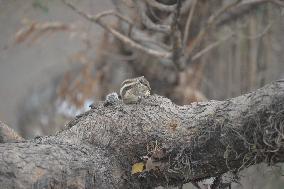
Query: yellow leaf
[137, 168]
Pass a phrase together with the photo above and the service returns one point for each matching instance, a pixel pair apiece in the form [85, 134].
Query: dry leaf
[137, 168]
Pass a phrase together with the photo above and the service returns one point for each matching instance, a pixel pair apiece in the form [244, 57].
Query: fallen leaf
[137, 168]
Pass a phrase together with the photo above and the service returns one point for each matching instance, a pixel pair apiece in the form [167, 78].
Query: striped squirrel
[133, 90]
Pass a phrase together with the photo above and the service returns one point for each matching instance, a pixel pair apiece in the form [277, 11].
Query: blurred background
[54, 62]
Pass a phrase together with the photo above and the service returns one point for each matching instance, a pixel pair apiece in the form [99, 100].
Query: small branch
[85, 15]
[124, 18]
[35, 29]
[188, 22]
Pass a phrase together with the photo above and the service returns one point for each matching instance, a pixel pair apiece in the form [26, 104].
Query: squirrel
[133, 90]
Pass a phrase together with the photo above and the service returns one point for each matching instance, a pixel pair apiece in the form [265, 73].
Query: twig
[38, 29]
[117, 34]
[188, 22]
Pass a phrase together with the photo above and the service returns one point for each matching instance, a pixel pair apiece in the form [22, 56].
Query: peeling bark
[185, 143]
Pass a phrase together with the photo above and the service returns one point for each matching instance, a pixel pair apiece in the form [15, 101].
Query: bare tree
[174, 144]
[165, 40]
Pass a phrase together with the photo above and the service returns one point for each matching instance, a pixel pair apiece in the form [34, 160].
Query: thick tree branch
[182, 143]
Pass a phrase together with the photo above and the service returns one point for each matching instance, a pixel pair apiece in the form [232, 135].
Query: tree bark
[182, 143]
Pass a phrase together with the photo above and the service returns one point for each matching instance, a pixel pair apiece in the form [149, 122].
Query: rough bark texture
[183, 143]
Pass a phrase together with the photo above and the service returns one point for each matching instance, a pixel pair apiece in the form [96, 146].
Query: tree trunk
[182, 143]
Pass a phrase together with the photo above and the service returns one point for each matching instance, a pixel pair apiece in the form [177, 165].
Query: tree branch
[182, 143]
